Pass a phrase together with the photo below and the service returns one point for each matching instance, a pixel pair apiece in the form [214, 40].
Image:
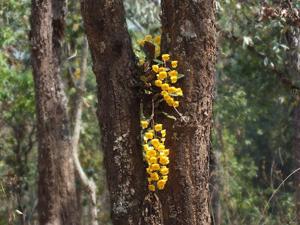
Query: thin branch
[279, 74]
[287, 12]
[181, 116]
[31, 139]
[274, 193]
[137, 24]
[89, 184]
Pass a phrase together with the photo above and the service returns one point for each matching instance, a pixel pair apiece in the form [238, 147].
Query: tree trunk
[56, 186]
[293, 59]
[118, 110]
[189, 36]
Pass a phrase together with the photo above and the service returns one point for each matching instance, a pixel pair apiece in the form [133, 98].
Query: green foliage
[253, 108]
[17, 119]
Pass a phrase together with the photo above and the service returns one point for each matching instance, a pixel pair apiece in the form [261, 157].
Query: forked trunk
[189, 28]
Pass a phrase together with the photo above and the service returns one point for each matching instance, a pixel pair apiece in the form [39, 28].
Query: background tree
[56, 186]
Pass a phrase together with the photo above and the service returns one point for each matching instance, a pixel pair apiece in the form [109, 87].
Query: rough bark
[118, 110]
[293, 59]
[189, 36]
[56, 186]
[87, 183]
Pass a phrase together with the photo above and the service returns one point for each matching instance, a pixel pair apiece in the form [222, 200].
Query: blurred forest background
[256, 96]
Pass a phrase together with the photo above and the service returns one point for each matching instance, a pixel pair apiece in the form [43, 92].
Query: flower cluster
[155, 41]
[165, 77]
[159, 76]
[156, 155]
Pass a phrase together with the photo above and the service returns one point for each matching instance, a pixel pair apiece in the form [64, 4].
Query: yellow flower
[141, 42]
[165, 87]
[161, 184]
[157, 39]
[167, 97]
[176, 104]
[162, 140]
[155, 142]
[165, 57]
[166, 152]
[170, 101]
[160, 147]
[173, 79]
[179, 92]
[162, 75]
[149, 135]
[162, 69]
[153, 160]
[146, 147]
[163, 133]
[150, 180]
[148, 170]
[155, 68]
[148, 37]
[151, 187]
[172, 90]
[154, 176]
[164, 170]
[151, 153]
[155, 166]
[165, 178]
[147, 157]
[164, 93]
[164, 160]
[145, 139]
[158, 127]
[174, 64]
[144, 124]
[158, 83]
[173, 73]
[157, 51]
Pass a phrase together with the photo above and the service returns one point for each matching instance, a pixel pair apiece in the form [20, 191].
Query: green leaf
[158, 61]
[169, 116]
[180, 76]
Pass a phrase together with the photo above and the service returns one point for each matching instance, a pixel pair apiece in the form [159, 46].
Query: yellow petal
[151, 187]
[174, 64]
[158, 127]
[155, 68]
[161, 184]
[165, 57]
